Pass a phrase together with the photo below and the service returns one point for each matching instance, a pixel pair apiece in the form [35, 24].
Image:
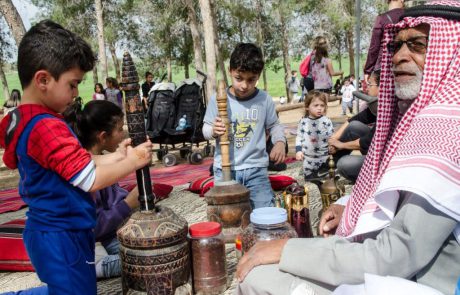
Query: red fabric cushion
[13, 254]
[160, 190]
[280, 182]
[203, 184]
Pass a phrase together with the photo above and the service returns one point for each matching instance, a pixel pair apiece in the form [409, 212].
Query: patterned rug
[10, 201]
[183, 203]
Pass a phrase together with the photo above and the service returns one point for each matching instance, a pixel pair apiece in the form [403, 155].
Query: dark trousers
[349, 165]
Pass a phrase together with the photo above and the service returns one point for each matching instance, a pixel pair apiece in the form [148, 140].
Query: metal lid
[268, 215]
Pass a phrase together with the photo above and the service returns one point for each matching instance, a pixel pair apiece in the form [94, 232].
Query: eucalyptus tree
[100, 36]
[208, 29]
[13, 19]
[6, 49]
[193, 23]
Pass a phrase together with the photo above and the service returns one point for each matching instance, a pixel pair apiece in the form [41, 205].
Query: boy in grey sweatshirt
[251, 112]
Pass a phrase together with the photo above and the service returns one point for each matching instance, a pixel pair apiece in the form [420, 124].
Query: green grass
[275, 80]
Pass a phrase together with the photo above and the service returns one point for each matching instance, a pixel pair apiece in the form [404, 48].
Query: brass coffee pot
[329, 189]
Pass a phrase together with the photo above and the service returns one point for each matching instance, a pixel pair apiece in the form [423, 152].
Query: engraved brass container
[329, 189]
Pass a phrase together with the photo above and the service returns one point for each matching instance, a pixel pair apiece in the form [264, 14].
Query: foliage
[6, 43]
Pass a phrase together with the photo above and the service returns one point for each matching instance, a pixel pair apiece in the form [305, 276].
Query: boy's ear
[101, 137]
[41, 79]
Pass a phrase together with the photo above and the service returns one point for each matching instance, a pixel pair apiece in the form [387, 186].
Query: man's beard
[411, 89]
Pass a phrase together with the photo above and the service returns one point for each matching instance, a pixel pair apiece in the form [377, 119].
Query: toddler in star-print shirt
[313, 133]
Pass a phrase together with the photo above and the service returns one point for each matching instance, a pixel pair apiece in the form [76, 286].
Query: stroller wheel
[209, 151]
[161, 154]
[195, 158]
[169, 160]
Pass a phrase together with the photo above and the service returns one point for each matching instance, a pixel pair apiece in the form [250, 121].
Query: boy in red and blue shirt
[56, 172]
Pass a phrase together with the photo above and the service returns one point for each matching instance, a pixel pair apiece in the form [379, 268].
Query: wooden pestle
[224, 141]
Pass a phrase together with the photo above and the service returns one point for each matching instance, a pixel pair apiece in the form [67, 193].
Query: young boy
[251, 111]
[56, 173]
[347, 96]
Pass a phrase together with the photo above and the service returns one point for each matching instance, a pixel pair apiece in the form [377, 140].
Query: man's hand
[332, 150]
[299, 156]
[278, 154]
[263, 252]
[330, 220]
[335, 143]
[218, 129]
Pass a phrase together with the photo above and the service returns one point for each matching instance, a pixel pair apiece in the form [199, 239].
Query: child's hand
[141, 155]
[123, 146]
[299, 156]
[218, 129]
[278, 154]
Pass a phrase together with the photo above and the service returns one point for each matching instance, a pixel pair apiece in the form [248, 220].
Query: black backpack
[161, 109]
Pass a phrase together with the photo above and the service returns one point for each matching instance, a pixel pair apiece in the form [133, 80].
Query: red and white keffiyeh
[418, 151]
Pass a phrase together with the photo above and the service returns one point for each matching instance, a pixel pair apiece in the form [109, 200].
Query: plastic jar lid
[268, 215]
[205, 229]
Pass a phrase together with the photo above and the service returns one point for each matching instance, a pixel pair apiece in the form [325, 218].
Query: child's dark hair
[311, 95]
[48, 46]
[148, 74]
[376, 75]
[13, 100]
[112, 81]
[100, 86]
[96, 116]
[247, 57]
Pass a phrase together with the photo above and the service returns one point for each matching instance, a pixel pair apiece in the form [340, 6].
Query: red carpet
[10, 200]
[175, 175]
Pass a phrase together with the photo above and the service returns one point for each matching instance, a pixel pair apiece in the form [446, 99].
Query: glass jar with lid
[268, 223]
[209, 267]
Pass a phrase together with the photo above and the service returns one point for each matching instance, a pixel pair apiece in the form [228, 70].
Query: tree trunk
[95, 76]
[219, 57]
[209, 47]
[169, 66]
[193, 24]
[260, 39]
[116, 63]
[186, 70]
[100, 37]
[6, 91]
[338, 39]
[351, 50]
[286, 64]
[13, 19]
